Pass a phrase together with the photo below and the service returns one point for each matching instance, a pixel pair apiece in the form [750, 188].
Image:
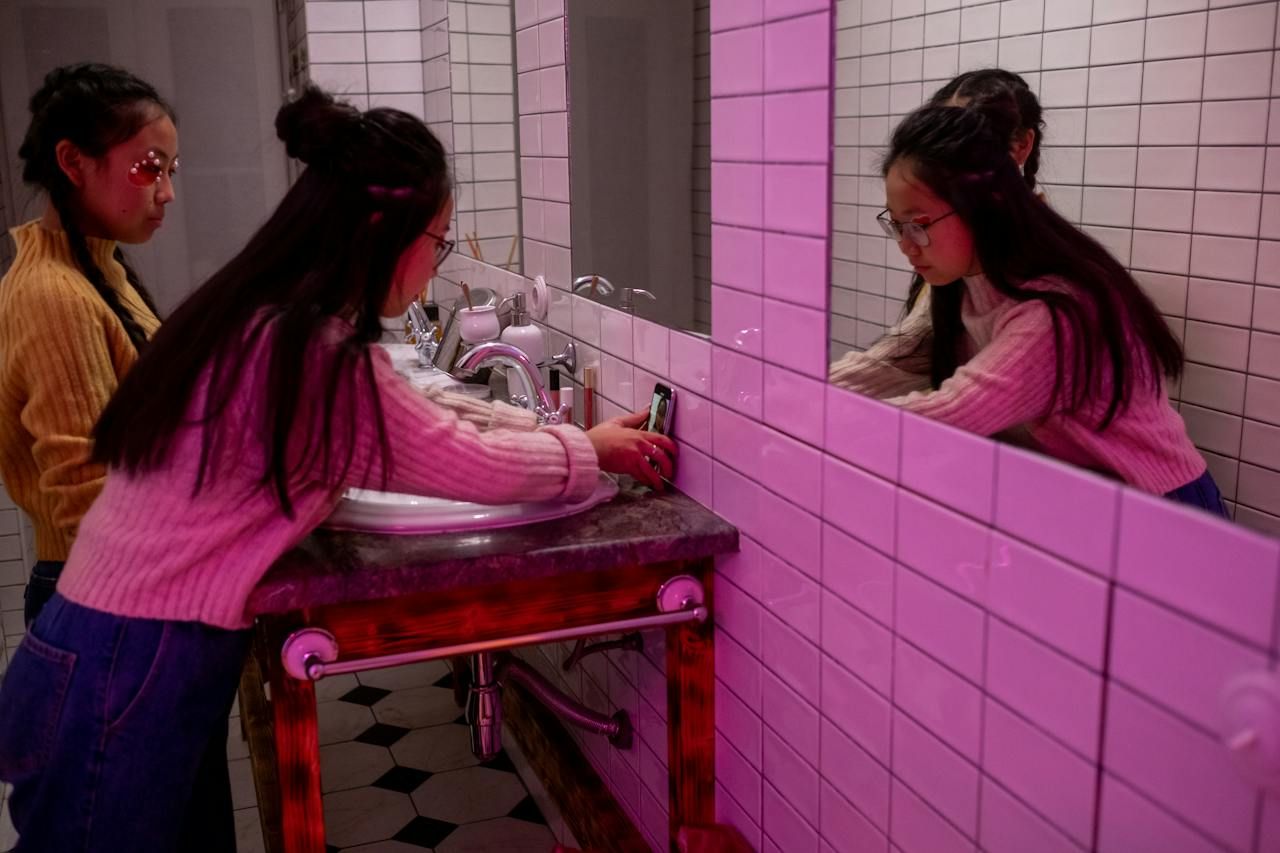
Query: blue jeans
[44, 580]
[1202, 492]
[113, 733]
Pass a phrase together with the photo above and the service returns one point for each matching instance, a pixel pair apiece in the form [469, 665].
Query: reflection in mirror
[992, 284]
[469, 70]
[640, 157]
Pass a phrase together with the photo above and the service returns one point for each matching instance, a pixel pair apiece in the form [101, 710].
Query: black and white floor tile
[398, 776]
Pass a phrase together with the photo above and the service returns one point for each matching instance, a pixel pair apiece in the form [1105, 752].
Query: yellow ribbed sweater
[62, 355]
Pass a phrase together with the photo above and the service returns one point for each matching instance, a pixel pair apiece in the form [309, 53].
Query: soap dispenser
[522, 333]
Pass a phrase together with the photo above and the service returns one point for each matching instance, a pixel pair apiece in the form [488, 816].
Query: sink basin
[388, 512]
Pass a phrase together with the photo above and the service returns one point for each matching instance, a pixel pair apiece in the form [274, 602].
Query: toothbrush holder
[479, 324]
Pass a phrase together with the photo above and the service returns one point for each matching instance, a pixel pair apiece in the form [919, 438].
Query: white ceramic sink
[388, 512]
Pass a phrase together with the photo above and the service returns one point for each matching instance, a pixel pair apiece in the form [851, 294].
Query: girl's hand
[622, 448]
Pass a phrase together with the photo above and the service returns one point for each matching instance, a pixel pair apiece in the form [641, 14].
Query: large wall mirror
[640, 157]
[1156, 152]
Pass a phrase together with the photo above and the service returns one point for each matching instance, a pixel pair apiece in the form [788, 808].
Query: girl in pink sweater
[1031, 330]
[250, 413]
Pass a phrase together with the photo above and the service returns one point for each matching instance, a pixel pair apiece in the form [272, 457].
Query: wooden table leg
[691, 738]
[298, 758]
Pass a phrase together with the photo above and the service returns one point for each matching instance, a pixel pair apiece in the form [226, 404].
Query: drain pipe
[616, 727]
[484, 707]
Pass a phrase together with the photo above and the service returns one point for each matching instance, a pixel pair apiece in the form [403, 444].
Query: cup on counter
[479, 324]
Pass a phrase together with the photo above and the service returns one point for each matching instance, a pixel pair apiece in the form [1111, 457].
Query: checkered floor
[398, 775]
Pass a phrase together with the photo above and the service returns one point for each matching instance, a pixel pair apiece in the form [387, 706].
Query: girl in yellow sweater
[103, 148]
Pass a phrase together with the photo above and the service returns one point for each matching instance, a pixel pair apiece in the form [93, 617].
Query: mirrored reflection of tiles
[398, 776]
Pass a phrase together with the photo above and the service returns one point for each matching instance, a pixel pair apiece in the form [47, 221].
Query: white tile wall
[1159, 114]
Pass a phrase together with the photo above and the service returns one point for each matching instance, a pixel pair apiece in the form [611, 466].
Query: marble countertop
[637, 527]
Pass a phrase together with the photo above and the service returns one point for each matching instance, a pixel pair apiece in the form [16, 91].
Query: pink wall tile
[615, 332]
[1067, 511]
[947, 547]
[739, 615]
[737, 381]
[845, 828]
[1008, 826]
[692, 423]
[859, 644]
[655, 819]
[739, 13]
[530, 134]
[950, 466]
[938, 698]
[1050, 690]
[551, 43]
[790, 715]
[858, 573]
[737, 320]
[555, 178]
[690, 364]
[738, 669]
[1183, 769]
[856, 775]
[737, 194]
[863, 431]
[1191, 561]
[947, 781]
[940, 623]
[739, 778]
[787, 529]
[555, 134]
[737, 63]
[791, 469]
[919, 829]
[786, 8]
[651, 344]
[796, 337]
[586, 320]
[617, 381]
[785, 826]
[793, 658]
[797, 53]
[728, 811]
[1176, 662]
[791, 596]
[795, 198]
[737, 257]
[739, 725]
[797, 127]
[793, 777]
[795, 269]
[1047, 776]
[738, 500]
[1130, 823]
[737, 128]
[551, 88]
[859, 503]
[856, 709]
[1056, 602]
[791, 402]
[745, 567]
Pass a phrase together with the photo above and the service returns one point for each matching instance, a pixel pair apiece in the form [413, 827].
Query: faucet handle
[547, 417]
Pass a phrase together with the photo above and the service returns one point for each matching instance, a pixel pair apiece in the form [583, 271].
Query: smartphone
[661, 409]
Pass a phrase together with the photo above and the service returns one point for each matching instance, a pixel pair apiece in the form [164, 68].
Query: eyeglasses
[444, 247]
[150, 169]
[916, 232]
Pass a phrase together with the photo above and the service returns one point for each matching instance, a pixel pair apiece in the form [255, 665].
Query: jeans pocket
[31, 698]
[135, 667]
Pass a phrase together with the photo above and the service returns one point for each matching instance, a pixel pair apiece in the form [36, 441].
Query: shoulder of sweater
[49, 286]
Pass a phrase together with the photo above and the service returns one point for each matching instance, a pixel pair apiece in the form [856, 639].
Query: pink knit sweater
[148, 548]
[1006, 388]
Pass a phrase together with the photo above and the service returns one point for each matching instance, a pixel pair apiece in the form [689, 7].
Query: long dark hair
[1115, 331]
[1012, 109]
[373, 182]
[95, 107]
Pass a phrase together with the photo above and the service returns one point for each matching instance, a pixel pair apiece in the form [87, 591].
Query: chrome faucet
[627, 302]
[420, 327]
[592, 285]
[513, 357]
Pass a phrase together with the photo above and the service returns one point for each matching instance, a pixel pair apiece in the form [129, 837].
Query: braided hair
[1007, 102]
[95, 107]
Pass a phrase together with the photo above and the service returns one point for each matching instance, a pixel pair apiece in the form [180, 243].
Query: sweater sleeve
[434, 451]
[896, 364]
[484, 415]
[62, 353]
[1008, 383]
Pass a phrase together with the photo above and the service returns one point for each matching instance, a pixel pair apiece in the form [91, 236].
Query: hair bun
[315, 128]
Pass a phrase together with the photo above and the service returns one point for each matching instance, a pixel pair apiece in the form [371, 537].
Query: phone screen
[660, 410]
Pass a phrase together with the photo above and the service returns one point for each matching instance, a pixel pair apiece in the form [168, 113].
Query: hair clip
[396, 193]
